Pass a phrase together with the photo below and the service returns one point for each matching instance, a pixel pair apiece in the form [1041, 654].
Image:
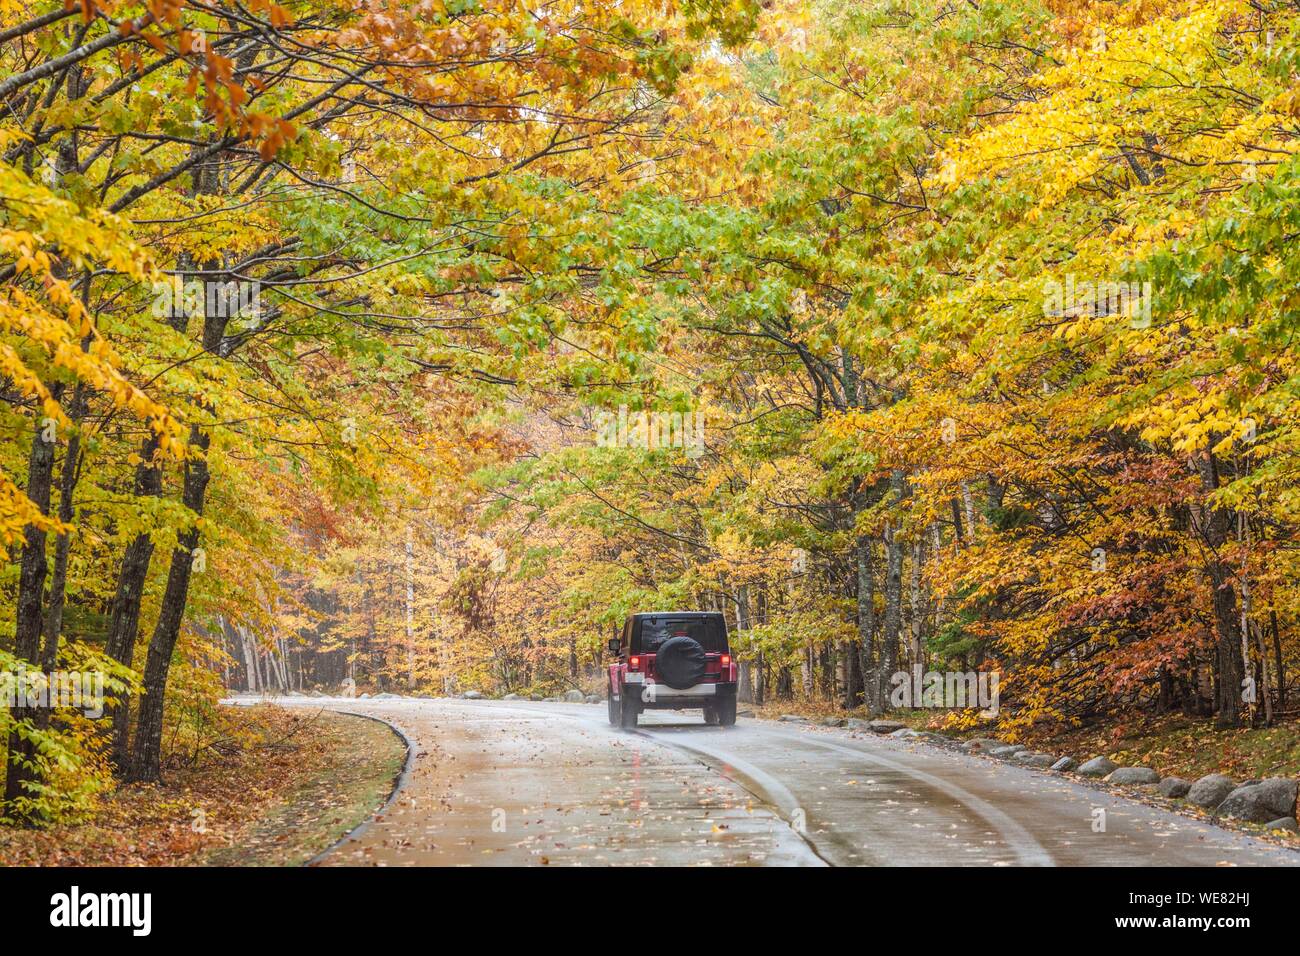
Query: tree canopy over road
[415, 342]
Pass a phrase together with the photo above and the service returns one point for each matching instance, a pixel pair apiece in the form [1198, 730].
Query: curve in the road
[399, 782]
[1027, 849]
[1029, 852]
[760, 784]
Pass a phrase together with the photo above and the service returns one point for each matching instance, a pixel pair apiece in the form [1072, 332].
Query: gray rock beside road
[1174, 787]
[884, 726]
[1260, 802]
[1211, 790]
[1065, 764]
[1133, 776]
[983, 744]
[574, 696]
[1098, 767]
[1286, 823]
[511, 697]
[905, 733]
[1007, 751]
[1029, 758]
[794, 719]
[472, 695]
[832, 722]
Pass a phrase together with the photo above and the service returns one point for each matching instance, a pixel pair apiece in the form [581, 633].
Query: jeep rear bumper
[652, 695]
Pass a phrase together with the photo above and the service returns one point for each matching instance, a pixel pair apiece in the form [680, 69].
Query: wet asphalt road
[521, 783]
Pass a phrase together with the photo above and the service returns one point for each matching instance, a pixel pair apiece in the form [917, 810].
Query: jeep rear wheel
[628, 711]
[727, 712]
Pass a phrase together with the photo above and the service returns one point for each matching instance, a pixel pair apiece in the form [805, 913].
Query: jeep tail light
[726, 660]
[633, 663]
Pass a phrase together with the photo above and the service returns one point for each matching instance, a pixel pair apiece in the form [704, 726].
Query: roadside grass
[362, 761]
[274, 787]
[1184, 747]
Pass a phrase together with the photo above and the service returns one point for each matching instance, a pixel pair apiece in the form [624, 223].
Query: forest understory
[259, 787]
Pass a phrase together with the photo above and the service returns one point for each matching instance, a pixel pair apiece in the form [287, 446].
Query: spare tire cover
[680, 662]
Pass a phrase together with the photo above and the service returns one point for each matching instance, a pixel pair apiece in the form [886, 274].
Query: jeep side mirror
[614, 645]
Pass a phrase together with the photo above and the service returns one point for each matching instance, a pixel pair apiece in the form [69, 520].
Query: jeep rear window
[707, 631]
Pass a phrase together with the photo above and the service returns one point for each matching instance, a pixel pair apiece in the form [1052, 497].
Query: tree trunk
[744, 690]
[1264, 695]
[968, 504]
[1215, 525]
[893, 588]
[124, 622]
[251, 677]
[410, 610]
[1277, 657]
[852, 676]
[917, 622]
[1205, 692]
[146, 754]
[30, 617]
[63, 543]
[867, 651]
[59, 577]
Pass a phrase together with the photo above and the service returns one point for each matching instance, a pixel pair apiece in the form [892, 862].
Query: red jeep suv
[672, 660]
